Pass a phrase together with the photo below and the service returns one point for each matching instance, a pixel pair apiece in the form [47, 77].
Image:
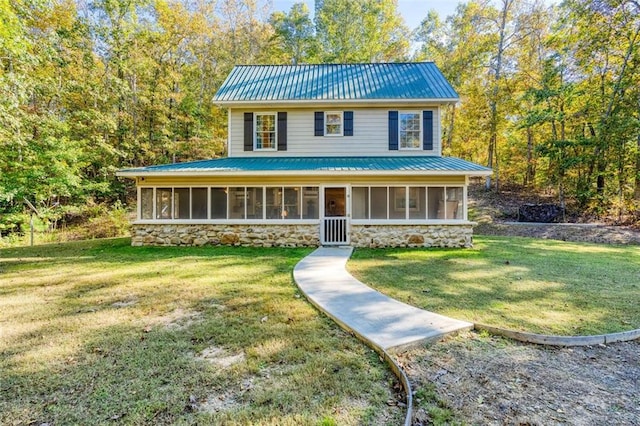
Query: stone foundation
[230, 235]
[291, 235]
[375, 236]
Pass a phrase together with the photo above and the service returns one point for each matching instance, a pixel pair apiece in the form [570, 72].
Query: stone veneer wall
[231, 235]
[412, 235]
[291, 235]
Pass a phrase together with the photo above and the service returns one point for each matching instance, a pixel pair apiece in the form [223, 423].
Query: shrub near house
[318, 154]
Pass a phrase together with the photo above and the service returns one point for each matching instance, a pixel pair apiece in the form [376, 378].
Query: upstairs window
[333, 123]
[409, 130]
[266, 131]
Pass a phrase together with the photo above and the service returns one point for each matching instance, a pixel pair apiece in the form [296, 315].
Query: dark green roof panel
[335, 82]
[318, 164]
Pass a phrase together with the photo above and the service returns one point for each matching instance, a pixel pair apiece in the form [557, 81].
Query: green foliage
[327, 421]
[361, 31]
[13, 223]
[295, 34]
[549, 94]
[426, 396]
[549, 91]
[106, 222]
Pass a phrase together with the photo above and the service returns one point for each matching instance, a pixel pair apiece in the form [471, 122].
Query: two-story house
[318, 154]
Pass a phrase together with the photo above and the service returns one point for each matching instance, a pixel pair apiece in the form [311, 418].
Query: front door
[334, 223]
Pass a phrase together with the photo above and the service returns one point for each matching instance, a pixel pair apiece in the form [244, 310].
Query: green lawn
[525, 284]
[99, 332]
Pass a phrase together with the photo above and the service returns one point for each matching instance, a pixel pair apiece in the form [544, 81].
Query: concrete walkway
[387, 323]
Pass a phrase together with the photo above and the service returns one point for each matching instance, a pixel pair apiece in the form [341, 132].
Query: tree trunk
[637, 177]
[605, 119]
[531, 167]
[120, 121]
[561, 195]
[493, 105]
[600, 181]
[452, 120]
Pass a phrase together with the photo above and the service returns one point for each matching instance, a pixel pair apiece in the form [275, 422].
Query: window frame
[275, 130]
[333, 135]
[400, 131]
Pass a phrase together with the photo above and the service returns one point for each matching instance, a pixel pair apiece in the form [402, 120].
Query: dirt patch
[492, 380]
[220, 357]
[600, 234]
[178, 319]
[216, 403]
[124, 303]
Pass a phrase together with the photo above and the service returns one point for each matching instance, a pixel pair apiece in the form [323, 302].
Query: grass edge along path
[523, 284]
[98, 332]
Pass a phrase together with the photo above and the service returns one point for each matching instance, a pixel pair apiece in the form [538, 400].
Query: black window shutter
[427, 130]
[393, 130]
[282, 131]
[248, 131]
[319, 119]
[348, 123]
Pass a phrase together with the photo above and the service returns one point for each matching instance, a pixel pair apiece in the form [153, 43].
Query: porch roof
[390, 165]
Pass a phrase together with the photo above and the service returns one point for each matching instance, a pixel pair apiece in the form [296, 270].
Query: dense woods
[550, 95]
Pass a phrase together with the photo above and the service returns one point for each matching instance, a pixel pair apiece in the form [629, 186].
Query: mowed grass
[524, 284]
[100, 332]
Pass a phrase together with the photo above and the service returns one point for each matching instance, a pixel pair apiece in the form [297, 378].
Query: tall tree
[505, 33]
[361, 31]
[603, 37]
[294, 32]
[38, 160]
[461, 47]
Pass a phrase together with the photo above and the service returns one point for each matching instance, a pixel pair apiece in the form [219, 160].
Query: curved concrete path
[385, 322]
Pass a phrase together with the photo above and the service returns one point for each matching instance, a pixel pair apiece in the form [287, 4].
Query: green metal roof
[316, 165]
[335, 82]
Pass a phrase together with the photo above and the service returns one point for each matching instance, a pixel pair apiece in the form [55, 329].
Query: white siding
[370, 134]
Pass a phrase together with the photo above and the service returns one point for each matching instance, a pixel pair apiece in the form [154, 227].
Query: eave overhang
[346, 103]
[134, 174]
[315, 166]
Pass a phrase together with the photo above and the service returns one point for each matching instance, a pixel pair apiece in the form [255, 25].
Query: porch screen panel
[218, 203]
[436, 202]
[274, 203]
[236, 203]
[181, 203]
[454, 203]
[163, 203]
[417, 202]
[255, 202]
[310, 202]
[379, 204]
[146, 203]
[398, 202]
[291, 203]
[198, 203]
[360, 202]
